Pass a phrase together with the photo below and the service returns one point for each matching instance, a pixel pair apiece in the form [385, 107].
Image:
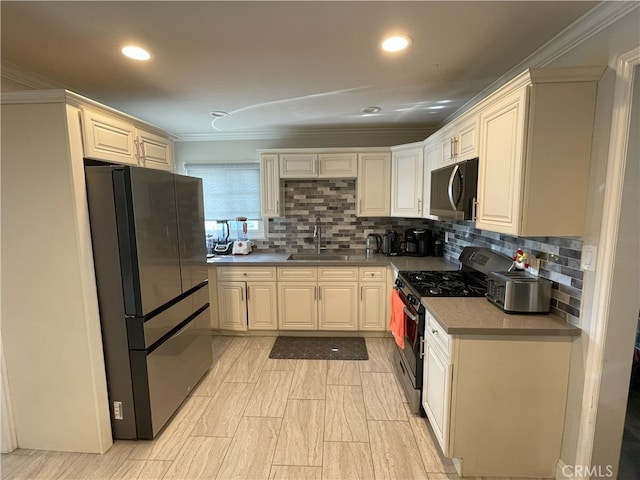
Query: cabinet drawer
[436, 334]
[373, 274]
[297, 273]
[246, 273]
[338, 273]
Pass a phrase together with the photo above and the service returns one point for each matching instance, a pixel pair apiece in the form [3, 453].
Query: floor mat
[320, 348]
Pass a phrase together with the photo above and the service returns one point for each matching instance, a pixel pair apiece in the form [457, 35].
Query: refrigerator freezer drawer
[144, 333]
[172, 370]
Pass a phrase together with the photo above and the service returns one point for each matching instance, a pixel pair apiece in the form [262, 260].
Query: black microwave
[454, 189]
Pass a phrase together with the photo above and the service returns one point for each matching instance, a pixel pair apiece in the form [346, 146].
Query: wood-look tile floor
[253, 418]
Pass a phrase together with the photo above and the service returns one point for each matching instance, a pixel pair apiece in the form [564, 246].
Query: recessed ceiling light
[218, 113]
[136, 53]
[396, 43]
[436, 107]
[371, 109]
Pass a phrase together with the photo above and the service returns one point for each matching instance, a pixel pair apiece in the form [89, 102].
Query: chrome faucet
[317, 234]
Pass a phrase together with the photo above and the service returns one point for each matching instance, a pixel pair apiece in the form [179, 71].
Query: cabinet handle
[315, 293]
[242, 295]
[277, 206]
[360, 206]
[474, 209]
[419, 204]
[319, 297]
[361, 293]
[451, 148]
[137, 152]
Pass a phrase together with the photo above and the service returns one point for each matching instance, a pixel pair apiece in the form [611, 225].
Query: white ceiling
[278, 65]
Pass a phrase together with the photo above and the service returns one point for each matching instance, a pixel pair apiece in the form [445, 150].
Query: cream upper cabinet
[155, 151]
[535, 153]
[407, 165]
[459, 141]
[298, 165]
[432, 152]
[108, 138]
[373, 187]
[112, 139]
[319, 165]
[271, 193]
[338, 165]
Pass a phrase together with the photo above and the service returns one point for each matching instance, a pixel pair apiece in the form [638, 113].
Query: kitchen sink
[320, 257]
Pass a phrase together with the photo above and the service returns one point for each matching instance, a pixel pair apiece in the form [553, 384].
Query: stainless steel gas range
[469, 281]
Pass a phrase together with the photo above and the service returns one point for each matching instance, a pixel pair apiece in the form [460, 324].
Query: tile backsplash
[560, 260]
[334, 202]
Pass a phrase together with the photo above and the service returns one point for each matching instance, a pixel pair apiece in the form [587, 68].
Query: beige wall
[602, 49]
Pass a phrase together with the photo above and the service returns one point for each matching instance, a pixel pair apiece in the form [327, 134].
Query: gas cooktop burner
[444, 284]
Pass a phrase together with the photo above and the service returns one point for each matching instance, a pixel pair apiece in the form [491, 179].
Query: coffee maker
[417, 242]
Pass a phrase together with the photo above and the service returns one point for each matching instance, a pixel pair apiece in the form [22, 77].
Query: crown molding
[589, 25]
[309, 133]
[26, 77]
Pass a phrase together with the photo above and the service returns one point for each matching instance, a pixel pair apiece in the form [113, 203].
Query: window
[230, 190]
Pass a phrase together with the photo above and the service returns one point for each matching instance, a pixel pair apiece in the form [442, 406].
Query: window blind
[230, 189]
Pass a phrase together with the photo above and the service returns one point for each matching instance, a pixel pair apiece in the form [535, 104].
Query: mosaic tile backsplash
[560, 260]
[334, 201]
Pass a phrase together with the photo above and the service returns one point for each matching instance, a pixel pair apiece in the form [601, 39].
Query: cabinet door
[271, 193]
[108, 138]
[374, 185]
[500, 168]
[406, 183]
[155, 151]
[338, 165]
[262, 306]
[431, 159]
[338, 306]
[297, 306]
[232, 306]
[298, 165]
[466, 139]
[373, 307]
[446, 150]
[436, 394]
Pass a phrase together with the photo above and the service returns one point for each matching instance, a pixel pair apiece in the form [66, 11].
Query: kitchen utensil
[242, 247]
[223, 246]
[393, 242]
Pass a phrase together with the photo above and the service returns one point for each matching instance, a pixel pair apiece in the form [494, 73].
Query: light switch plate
[589, 257]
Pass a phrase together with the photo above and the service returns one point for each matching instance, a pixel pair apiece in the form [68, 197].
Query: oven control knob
[411, 299]
[399, 283]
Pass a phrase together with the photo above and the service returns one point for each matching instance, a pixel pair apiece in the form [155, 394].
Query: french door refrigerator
[147, 229]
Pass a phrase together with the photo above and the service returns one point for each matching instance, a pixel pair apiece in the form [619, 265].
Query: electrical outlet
[117, 410]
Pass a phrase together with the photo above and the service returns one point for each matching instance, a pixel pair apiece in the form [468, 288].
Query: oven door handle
[410, 315]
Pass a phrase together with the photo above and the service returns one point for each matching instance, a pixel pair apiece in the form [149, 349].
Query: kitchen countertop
[476, 316]
[399, 263]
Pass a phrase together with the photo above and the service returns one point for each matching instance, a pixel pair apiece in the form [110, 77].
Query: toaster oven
[519, 292]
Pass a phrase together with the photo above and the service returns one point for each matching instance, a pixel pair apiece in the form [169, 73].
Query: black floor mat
[320, 348]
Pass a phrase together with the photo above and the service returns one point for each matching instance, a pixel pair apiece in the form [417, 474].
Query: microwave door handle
[461, 191]
[450, 186]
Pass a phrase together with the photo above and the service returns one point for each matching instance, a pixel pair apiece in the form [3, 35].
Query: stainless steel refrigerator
[147, 229]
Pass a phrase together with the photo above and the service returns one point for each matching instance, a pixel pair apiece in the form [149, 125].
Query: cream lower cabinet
[373, 299]
[493, 400]
[318, 298]
[247, 298]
